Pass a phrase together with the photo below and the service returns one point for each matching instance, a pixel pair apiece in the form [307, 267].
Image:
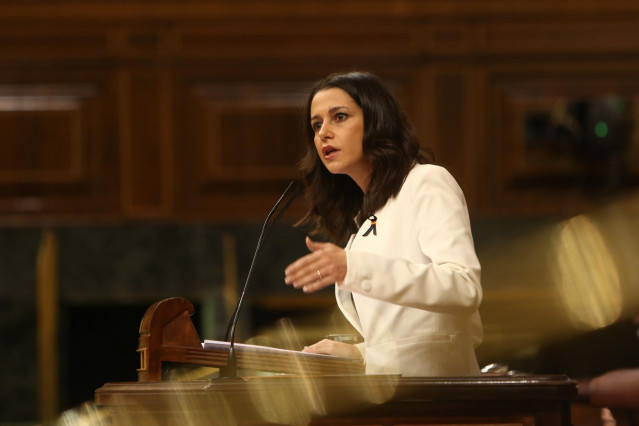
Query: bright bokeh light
[585, 274]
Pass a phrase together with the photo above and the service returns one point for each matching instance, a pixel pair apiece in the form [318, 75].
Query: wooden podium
[167, 336]
[308, 390]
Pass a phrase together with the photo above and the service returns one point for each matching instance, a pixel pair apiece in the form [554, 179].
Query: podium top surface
[485, 387]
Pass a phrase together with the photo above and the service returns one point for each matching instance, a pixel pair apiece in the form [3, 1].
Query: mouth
[328, 150]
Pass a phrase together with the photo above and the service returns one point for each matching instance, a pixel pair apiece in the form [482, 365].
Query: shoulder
[429, 176]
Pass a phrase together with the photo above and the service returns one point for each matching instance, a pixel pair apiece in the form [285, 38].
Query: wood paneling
[179, 111]
[127, 10]
[522, 179]
[57, 153]
[238, 144]
[450, 121]
[146, 130]
[32, 40]
[292, 39]
[570, 38]
[25, 155]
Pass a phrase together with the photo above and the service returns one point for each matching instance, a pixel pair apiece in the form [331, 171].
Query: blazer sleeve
[448, 278]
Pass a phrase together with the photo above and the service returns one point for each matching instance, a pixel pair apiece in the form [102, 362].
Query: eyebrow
[330, 111]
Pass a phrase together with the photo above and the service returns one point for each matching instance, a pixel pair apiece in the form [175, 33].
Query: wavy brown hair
[389, 143]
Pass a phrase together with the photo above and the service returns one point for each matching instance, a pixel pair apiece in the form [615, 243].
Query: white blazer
[412, 287]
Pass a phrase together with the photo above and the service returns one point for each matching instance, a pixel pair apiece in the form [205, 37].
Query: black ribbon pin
[373, 227]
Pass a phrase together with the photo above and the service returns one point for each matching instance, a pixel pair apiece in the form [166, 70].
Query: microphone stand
[292, 191]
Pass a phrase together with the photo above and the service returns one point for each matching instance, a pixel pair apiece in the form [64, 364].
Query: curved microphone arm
[292, 191]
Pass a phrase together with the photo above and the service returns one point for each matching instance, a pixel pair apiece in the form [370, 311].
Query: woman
[408, 278]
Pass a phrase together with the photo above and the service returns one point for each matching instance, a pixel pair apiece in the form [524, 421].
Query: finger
[316, 285]
[320, 347]
[310, 244]
[305, 276]
[298, 264]
[302, 270]
[299, 268]
[310, 282]
[310, 349]
[314, 245]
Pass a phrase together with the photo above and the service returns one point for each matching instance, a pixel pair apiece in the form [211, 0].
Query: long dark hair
[389, 143]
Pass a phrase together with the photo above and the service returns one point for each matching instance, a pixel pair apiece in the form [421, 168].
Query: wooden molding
[224, 10]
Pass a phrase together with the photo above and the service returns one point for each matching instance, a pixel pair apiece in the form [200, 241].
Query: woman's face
[338, 124]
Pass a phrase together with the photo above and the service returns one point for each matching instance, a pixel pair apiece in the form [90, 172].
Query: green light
[601, 129]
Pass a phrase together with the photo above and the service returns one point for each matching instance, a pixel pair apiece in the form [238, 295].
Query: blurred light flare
[295, 403]
[299, 401]
[585, 274]
[86, 415]
[526, 299]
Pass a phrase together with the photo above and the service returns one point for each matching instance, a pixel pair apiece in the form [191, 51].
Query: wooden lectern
[167, 335]
[313, 390]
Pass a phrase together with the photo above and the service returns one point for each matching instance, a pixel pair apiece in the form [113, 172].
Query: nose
[325, 131]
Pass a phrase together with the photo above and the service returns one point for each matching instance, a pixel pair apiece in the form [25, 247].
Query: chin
[332, 169]
[336, 171]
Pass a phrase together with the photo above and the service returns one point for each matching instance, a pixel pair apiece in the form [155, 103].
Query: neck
[362, 179]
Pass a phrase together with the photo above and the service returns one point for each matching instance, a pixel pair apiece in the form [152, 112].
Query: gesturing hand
[325, 265]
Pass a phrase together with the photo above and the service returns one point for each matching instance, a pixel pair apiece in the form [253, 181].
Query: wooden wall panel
[57, 150]
[145, 136]
[183, 97]
[35, 40]
[447, 121]
[137, 10]
[451, 137]
[572, 37]
[292, 39]
[26, 156]
[570, 172]
[447, 39]
[237, 146]
[530, 36]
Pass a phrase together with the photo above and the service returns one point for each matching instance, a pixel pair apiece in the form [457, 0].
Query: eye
[341, 116]
[316, 126]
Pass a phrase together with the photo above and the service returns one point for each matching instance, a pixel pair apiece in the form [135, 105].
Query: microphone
[292, 191]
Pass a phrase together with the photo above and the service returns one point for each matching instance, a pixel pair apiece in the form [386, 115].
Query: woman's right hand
[331, 347]
[324, 266]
